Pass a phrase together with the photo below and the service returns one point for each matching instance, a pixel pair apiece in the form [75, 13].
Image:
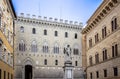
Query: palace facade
[39, 46]
[7, 16]
[101, 42]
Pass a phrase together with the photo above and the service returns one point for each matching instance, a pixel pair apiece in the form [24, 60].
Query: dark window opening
[56, 62]
[90, 43]
[114, 24]
[66, 34]
[34, 31]
[97, 58]
[115, 71]
[97, 74]
[96, 38]
[45, 62]
[45, 32]
[76, 51]
[8, 75]
[105, 73]
[75, 36]
[91, 76]
[56, 33]
[22, 29]
[0, 74]
[104, 54]
[4, 74]
[104, 32]
[76, 63]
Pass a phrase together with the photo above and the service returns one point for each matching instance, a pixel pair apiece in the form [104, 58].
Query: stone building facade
[101, 42]
[7, 16]
[39, 46]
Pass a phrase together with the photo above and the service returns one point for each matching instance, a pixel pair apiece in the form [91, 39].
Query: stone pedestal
[68, 70]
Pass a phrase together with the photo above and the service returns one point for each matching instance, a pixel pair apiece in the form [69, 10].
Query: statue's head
[68, 45]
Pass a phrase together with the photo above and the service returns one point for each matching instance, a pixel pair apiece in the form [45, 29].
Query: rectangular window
[105, 73]
[97, 58]
[4, 74]
[76, 51]
[56, 62]
[66, 34]
[45, 62]
[8, 76]
[97, 74]
[0, 74]
[33, 31]
[104, 54]
[45, 32]
[76, 63]
[114, 24]
[96, 38]
[115, 50]
[75, 35]
[115, 21]
[56, 33]
[115, 71]
[22, 29]
[91, 75]
[90, 43]
[104, 32]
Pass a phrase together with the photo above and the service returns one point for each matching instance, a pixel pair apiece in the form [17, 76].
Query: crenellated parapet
[49, 21]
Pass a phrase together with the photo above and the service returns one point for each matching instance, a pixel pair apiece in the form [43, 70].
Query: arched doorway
[28, 72]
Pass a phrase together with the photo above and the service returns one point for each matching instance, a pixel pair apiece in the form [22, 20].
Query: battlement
[49, 19]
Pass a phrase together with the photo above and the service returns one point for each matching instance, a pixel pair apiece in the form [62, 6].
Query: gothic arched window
[45, 48]
[56, 48]
[22, 46]
[76, 50]
[34, 46]
[114, 24]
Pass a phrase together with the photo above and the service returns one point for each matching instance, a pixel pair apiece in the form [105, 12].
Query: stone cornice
[10, 6]
[50, 22]
[101, 12]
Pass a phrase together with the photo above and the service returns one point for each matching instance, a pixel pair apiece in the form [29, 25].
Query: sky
[71, 10]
